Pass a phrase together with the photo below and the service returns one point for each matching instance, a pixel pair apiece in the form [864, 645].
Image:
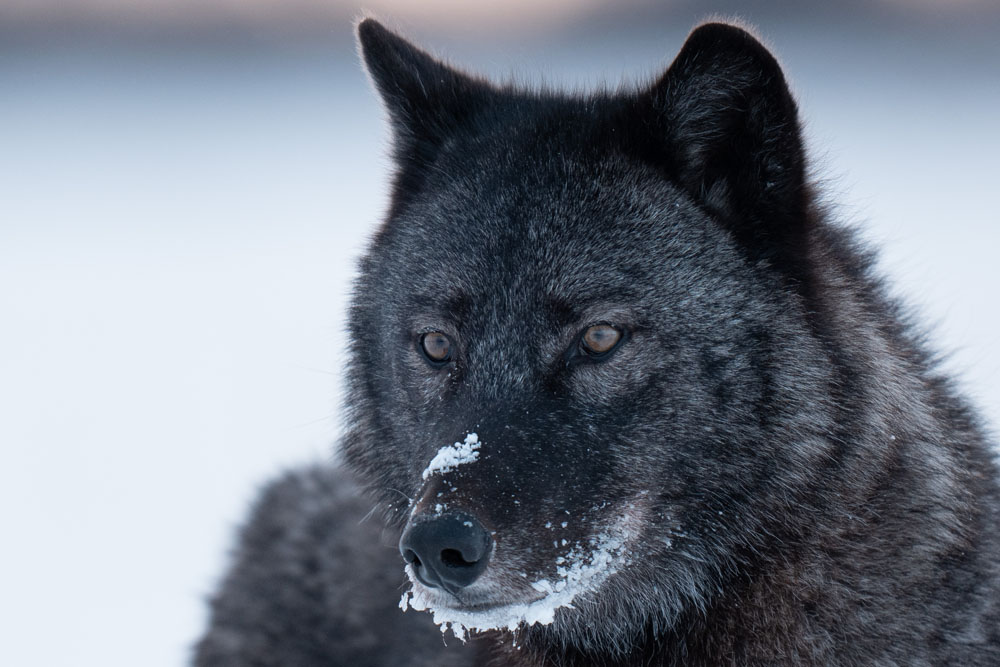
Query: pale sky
[497, 14]
[482, 13]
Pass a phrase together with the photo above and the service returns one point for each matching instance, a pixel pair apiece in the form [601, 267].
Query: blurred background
[185, 186]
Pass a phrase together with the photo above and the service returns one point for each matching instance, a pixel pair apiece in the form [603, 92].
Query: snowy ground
[177, 236]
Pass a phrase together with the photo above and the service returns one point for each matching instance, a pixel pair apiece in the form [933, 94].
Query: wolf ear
[425, 99]
[733, 137]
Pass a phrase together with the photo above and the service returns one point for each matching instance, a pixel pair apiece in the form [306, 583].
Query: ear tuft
[396, 66]
[425, 98]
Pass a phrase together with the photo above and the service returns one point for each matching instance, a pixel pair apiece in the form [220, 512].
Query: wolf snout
[447, 551]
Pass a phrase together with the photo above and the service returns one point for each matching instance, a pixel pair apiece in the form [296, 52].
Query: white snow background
[178, 230]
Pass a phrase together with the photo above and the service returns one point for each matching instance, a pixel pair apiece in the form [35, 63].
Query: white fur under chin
[581, 570]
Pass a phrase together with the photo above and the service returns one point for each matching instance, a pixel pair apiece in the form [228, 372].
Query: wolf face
[626, 397]
[627, 394]
[585, 295]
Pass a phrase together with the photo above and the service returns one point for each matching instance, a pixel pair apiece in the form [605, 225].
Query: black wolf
[625, 396]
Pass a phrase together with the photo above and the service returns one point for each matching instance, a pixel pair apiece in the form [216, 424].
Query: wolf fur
[787, 476]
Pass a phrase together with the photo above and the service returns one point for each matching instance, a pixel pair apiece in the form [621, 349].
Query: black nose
[447, 551]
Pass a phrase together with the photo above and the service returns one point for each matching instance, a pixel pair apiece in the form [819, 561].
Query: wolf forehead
[563, 200]
[566, 225]
[533, 178]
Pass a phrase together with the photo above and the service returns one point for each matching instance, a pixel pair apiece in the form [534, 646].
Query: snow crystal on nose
[450, 456]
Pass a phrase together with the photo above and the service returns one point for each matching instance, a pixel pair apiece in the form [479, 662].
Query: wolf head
[574, 380]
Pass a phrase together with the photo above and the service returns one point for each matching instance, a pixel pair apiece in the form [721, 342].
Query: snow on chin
[451, 456]
[579, 571]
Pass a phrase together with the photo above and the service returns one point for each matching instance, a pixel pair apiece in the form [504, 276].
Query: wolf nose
[448, 551]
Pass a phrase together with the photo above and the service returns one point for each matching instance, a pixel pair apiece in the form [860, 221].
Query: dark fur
[811, 490]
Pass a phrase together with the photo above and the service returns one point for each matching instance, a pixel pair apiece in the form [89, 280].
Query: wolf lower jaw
[461, 616]
[461, 621]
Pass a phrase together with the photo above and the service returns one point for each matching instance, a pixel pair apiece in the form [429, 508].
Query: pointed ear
[733, 136]
[425, 99]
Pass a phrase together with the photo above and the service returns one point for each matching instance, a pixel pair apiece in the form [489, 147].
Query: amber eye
[600, 339]
[436, 347]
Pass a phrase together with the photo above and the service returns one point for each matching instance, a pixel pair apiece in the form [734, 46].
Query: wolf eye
[436, 346]
[600, 339]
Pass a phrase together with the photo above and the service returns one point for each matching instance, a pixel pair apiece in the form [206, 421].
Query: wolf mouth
[581, 571]
[422, 597]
